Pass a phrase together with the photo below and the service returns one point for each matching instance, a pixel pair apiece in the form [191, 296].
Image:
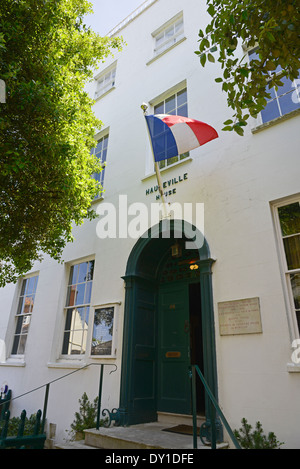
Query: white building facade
[149, 306]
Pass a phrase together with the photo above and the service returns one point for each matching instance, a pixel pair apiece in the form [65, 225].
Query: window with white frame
[283, 100]
[24, 313]
[105, 81]
[101, 152]
[77, 308]
[176, 104]
[168, 35]
[289, 228]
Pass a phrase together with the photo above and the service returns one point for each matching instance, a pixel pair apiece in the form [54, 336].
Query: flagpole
[157, 170]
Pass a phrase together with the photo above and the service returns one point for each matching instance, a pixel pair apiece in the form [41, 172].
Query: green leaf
[270, 36]
[210, 58]
[238, 130]
[228, 128]
[203, 60]
[211, 10]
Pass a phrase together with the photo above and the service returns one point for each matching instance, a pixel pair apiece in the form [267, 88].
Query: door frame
[135, 274]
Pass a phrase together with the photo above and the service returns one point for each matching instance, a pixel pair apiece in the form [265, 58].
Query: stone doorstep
[144, 436]
[178, 419]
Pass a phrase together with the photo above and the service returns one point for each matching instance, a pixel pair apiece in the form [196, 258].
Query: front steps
[143, 436]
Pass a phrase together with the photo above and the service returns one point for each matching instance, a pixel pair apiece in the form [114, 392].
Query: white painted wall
[236, 178]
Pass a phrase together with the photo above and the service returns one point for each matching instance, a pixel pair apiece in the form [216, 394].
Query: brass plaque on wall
[240, 317]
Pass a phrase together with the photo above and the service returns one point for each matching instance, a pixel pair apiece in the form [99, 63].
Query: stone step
[144, 436]
[178, 419]
[74, 445]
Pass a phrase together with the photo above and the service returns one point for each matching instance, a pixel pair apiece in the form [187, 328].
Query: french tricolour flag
[175, 135]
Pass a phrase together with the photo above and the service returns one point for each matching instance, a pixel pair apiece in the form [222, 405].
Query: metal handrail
[215, 408]
[47, 386]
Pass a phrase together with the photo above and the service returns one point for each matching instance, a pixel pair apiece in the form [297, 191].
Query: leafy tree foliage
[271, 25]
[47, 127]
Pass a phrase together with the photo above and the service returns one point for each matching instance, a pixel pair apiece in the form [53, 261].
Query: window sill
[97, 199]
[14, 362]
[103, 357]
[178, 163]
[104, 94]
[276, 121]
[293, 368]
[72, 364]
[158, 56]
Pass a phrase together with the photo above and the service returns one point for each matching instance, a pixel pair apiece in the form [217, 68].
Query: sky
[108, 13]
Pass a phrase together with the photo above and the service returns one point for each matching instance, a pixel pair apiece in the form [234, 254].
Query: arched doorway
[168, 324]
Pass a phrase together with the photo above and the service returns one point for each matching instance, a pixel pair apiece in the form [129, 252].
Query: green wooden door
[143, 386]
[174, 392]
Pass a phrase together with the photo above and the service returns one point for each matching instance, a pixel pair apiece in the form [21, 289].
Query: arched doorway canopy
[145, 257]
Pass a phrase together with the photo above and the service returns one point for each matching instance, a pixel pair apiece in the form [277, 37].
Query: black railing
[214, 410]
[47, 390]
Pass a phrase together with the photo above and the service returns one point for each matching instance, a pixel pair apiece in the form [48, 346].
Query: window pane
[270, 112]
[105, 142]
[295, 282]
[169, 32]
[25, 324]
[292, 251]
[98, 148]
[65, 349]
[30, 285]
[159, 39]
[88, 290]
[104, 153]
[23, 314]
[184, 155]
[183, 111]
[73, 274]
[287, 103]
[71, 295]
[91, 270]
[21, 305]
[28, 304]
[68, 320]
[172, 160]
[19, 325]
[159, 109]
[272, 93]
[22, 343]
[288, 85]
[289, 217]
[170, 105]
[82, 272]
[15, 345]
[79, 300]
[179, 26]
[102, 331]
[181, 98]
[23, 287]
